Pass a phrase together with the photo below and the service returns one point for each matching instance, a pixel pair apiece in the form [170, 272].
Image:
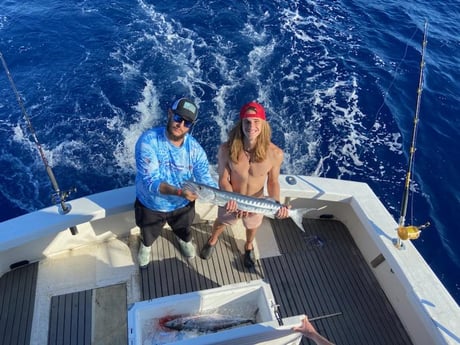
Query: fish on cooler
[204, 322]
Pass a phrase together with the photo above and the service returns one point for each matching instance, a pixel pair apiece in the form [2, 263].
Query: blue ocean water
[338, 79]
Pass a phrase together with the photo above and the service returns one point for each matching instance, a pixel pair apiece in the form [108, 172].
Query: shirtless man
[246, 162]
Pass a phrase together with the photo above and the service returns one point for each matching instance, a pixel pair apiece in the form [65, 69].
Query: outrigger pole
[412, 232]
[59, 196]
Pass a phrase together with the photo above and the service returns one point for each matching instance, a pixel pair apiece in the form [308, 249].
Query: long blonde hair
[235, 143]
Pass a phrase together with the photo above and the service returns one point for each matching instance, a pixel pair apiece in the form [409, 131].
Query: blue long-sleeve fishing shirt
[157, 160]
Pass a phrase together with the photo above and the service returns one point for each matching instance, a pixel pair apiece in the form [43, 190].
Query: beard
[171, 135]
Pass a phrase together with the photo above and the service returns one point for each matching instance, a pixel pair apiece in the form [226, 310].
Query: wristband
[179, 192]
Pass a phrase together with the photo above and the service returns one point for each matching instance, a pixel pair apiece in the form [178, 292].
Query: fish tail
[298, 214]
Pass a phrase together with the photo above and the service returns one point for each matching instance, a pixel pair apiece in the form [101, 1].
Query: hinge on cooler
[277, 313]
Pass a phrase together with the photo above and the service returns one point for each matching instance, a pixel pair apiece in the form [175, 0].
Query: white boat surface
[47, 273]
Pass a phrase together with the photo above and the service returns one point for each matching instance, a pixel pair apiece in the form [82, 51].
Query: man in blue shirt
[166, 157]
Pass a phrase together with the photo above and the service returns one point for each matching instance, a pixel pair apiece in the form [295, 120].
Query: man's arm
[273, 184]
[223, 169]
[147, 164]
[307, 329]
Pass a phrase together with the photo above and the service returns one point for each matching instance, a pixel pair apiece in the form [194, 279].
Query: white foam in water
[149, 114]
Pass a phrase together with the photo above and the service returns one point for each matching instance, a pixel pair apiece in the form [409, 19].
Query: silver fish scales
[206, 322]
[267, 207]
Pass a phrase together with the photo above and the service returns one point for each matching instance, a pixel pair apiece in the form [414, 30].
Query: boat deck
[317, 272]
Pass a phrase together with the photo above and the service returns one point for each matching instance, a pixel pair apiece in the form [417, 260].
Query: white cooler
[242, 300]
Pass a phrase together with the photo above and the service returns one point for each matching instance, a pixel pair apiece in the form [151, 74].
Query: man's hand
[283, 212]
[232, 207]
[189, 195]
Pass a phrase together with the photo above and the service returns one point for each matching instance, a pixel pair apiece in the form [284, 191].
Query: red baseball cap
[254, 107]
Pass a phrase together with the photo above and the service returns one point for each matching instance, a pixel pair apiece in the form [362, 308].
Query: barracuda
[205, 323]
[246, 203]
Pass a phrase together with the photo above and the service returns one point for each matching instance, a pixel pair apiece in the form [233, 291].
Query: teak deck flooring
[319, 272]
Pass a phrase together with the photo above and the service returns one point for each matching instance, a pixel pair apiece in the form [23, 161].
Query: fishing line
[58, 196]
[395, 73]
[391, 85]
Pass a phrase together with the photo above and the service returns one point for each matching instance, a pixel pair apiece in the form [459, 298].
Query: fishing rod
[324, 316]
[411, 231]
[59, 197]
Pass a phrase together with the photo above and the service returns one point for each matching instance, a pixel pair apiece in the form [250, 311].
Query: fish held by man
[205, 323]
[245, 203]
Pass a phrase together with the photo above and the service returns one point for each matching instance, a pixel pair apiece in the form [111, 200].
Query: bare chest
[247, 168]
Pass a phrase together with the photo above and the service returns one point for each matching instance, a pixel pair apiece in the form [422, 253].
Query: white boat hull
[426, 309]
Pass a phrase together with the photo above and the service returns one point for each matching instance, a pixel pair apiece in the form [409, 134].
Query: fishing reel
[60, 197]
[410, 232]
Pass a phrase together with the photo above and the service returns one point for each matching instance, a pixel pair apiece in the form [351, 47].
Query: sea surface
[339, 81]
